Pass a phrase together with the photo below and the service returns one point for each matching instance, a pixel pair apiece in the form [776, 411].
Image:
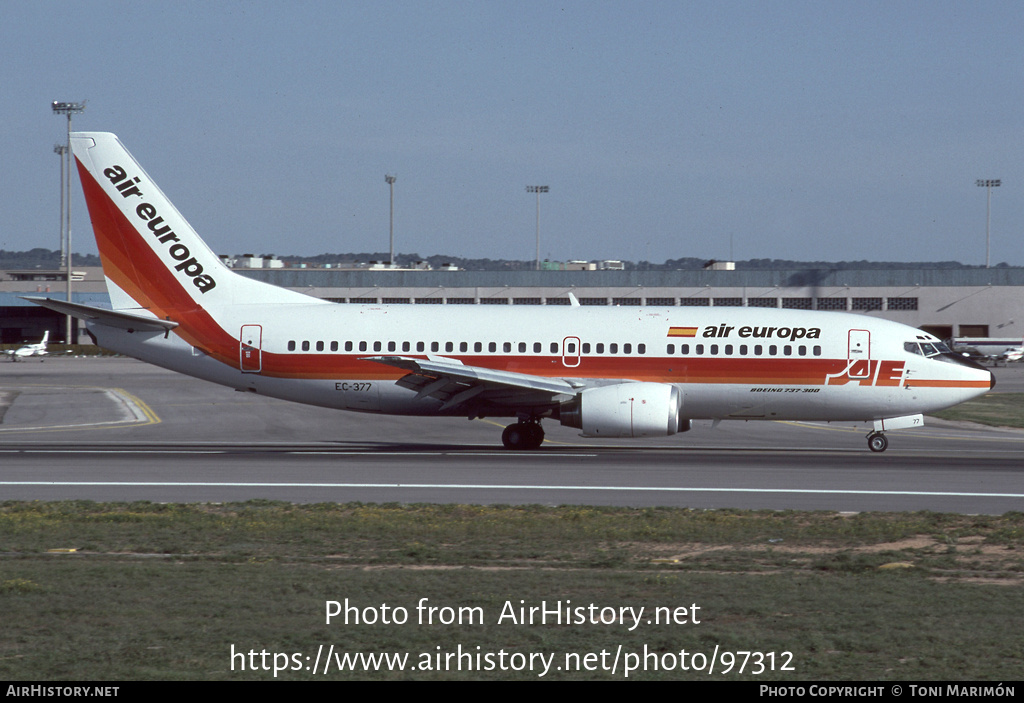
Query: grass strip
[998, 409]
[156, 591]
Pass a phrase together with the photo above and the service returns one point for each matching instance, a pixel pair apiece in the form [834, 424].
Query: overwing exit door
[571, 352]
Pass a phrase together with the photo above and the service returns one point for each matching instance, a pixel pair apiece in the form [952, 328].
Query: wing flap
[438, 368]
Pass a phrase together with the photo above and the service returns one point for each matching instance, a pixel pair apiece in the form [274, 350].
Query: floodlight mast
[538, 190]
[69, 109]
[60, 150]
[390, 180]
[989, 185]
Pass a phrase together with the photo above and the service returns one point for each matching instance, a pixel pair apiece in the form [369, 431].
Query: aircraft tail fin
[152, 258]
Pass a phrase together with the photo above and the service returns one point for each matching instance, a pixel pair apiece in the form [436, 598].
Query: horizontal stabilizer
[111, 318]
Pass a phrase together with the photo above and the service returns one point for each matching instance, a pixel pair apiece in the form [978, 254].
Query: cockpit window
[928, 349]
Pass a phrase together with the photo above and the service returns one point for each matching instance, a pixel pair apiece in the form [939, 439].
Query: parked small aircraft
[38, 349]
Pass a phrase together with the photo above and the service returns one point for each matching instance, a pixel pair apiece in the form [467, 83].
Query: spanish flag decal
[682, 331]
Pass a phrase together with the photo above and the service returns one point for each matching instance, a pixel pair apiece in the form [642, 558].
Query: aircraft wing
[456, 384]
[113, 318]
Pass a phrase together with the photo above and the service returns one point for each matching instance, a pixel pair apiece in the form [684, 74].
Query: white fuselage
[731, 363]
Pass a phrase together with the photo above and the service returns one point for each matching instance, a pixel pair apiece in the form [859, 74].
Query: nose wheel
[877, 442]
[523, 435]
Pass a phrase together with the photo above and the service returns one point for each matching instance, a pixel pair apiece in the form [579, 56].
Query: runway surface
[117, 429]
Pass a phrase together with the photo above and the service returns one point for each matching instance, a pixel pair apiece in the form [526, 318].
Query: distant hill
[689, 263]
[47, 259]
[42, 259]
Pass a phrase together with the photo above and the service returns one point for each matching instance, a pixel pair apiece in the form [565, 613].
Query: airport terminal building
[949, 303]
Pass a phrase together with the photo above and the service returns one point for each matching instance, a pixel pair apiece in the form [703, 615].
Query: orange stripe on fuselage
[769, 372]
[810, 372]
[941, 383]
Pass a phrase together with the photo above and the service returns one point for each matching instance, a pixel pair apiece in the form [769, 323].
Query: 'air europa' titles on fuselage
[188, 265]
[745, 332]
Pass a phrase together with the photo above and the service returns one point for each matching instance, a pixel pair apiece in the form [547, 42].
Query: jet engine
[626, 410]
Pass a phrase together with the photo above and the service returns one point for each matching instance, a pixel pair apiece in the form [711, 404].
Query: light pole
[390, 180]
[538, 190]
[989, 185]
[60, 150]
[62, 108]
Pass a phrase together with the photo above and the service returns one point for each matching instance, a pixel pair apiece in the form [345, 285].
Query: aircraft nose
[992, 383]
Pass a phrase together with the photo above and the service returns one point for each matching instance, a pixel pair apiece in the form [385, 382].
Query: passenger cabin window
[291, 345]
[305, 346]
[319, 346]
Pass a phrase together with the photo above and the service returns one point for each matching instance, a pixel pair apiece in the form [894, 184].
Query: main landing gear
[877, 442]
[523, 435]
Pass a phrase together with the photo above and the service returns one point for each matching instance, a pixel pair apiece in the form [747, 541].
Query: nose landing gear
[523, 435]
[877, 442]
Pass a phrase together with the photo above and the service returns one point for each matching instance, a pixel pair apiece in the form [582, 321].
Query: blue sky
[795, 130]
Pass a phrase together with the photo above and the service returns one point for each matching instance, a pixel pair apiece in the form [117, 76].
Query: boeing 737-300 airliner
[611, 372]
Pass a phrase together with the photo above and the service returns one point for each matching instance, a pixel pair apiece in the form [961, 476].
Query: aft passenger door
[858, 354]
[250, 341]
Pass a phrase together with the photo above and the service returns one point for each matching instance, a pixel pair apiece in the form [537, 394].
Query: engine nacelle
[626, 410]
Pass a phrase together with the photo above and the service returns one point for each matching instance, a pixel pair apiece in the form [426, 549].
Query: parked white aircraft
[1015, 354]
[611, 372]
[38, 349]
[993, 348]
